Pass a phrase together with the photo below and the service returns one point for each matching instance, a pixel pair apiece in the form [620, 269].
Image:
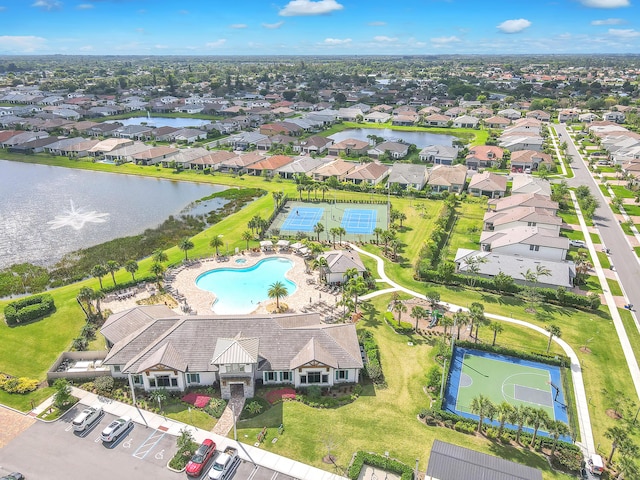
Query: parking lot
[54, 451]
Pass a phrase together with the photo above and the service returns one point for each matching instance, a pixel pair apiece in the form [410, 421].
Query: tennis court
[356, 220]
[302, 219]
[501, 378]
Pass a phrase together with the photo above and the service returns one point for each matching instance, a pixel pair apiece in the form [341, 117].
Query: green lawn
[468, 226]
[181, 412]
[604, 260]
[637, 250]
[633, 210]
[614, 287]
[570, 218]
[604, 190]
[621, 191]
[572, 234]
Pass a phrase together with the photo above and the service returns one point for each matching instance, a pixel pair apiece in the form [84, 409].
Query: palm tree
[277, 290]
[158, 256]
[446, 322]
[399, 308]
[536, 418]
[318, 228]
[341, 232]
[216, 242]
[308, 188]
[301, 188]
[132, 267]
[333, 232]
[418, 313]
[497, 328]
[356, 286]
[320, 264]
[554, 331]
[476, 313]
[112, 267]
[84, 298]
[519, 417]
[460, 319]
[323, 187]
[157, 269]
[556, 429]
[401, 217]
[158, 395]
[98, 295]
[618, 436]
[378, 231]
[483, 407]
[247, 236]
[504, 410]
[99, 271]
[185, 245]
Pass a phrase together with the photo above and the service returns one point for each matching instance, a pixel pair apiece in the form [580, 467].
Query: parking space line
[149, 444]
[253, 473]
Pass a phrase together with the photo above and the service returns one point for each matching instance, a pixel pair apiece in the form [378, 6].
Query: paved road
[622, 256]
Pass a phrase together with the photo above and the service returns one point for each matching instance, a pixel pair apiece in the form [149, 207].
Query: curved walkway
[582, 406]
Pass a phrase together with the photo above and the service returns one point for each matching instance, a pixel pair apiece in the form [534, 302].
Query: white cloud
[609, 21]
[86, 48]
[377, 24]
[85, 6]
[514, 26]
[273, 26]
[384, 38]
[445, 40]
[216, 44]
[47, 4]
[336, 41]
[309, 7]
[238, 25]
[21, 44]
[605, 3]
[624, 32]
[161, 47]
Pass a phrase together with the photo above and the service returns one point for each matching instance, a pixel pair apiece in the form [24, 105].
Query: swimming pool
[240, 290]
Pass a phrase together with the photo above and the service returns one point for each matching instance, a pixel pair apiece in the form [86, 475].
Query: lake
[163, 122]
[46, 212]
[419, 139]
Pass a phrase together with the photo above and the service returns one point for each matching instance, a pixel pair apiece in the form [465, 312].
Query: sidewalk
[252, 454]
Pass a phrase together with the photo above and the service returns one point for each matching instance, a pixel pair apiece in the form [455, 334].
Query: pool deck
[201, 301]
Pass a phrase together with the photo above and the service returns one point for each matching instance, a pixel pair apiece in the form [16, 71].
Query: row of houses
[521, 237]
[622, 145]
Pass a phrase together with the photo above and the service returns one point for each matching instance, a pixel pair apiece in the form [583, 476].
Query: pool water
[240, 290]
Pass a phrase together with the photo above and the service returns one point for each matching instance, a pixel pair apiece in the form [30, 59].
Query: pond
[419, 139]
[46, 212]
[163, 122]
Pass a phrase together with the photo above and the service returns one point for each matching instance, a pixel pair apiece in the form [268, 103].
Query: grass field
[621, 192]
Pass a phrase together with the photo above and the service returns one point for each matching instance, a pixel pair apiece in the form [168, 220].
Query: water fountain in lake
[76, 218]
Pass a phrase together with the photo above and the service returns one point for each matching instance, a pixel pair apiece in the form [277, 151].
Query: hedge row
[17, 385]
[557, 360]
[27, 309]
[558, 296]
[378, 461]
[373, 367]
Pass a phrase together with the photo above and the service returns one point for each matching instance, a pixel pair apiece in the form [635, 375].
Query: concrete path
[225, 422]
[249, 453]
[582, 405]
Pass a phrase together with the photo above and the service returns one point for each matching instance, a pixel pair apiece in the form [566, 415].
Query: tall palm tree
[132, 267]
[159, 256]
[497, 328]
[318, 228]
[216, 242]
[519, 417]
[112, 267]
[97, 296]
[320, 264]
[334, 232]
[418, 313]
[341, 232]
[377, 232]
[301, 188]
[554, 331]
[446, 322]
[99, 271]
[157, 269]
[185, 245]
[399, 308]
[356, 286]
[277, 290]
[504, 410]
[536, 418]
[618, 436]
[324, 188]
[483, 407]
[247, 236]
[556, 429]
[476, 313]
[84, 297]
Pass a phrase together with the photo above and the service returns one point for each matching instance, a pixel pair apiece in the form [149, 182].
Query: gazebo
[283, 245]
[266, 245]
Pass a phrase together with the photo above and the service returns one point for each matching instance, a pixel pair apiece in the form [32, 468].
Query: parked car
[200, 458]
[115, 429]
[225, 464]
[13, 476]
[87, 417]
[578, 243]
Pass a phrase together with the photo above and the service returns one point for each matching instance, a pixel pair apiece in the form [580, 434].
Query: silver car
[115, 429]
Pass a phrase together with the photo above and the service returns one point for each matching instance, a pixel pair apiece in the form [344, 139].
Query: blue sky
[318, 27]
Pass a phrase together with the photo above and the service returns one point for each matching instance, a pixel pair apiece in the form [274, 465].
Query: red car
[200, 458]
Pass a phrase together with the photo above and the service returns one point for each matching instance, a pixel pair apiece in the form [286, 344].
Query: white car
[577, 243]
[115, 429]
[87, 417]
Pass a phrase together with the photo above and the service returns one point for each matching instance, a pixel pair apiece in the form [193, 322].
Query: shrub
[464, 427]
[314, 392]
[215, 407]
[434, 377]
[378, 461]
[103, 385]
[17, 385]
[27, 309]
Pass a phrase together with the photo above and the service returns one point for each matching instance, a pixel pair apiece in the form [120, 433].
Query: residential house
[588, 117]
[154, 348]
[136, 132]
[212, 160]
[514, 143]
[161, 134]
[377, 117]
[36, 145]
[530, 242]
[349, 147]
[539, 115]
[523, 160]
[522, 217]
[396, 150]
[465, 121]
[154, 155]
[185, 157]
[568, 115]
[22, 137]
[370, 173]
[481, 112]
[350, 114]
[497, 122]
[407, 175]
[108, 145]
[490, 264]
[523, 183]
[438, 154]
[516, 200]
[245, 140]
[510, 113]
[484, 156]
[445, 178]
[103, 129]
[268, 165]
[337, 169]
[617, 117]
[405, 119]
[240, 163]
[487, 184]
[314, 145]
[283, 128]
[126, 153]
[78, 149]
[339, 262]
[454, 112]
[301, 165]
[436, 120]
[189, 135]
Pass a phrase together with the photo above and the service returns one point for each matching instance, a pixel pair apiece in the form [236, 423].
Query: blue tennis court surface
[302, 219]
[359, 221]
